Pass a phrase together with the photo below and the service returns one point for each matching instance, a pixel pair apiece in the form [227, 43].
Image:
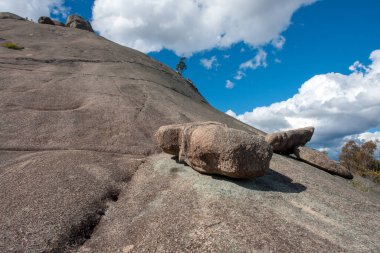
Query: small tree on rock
[181, 66]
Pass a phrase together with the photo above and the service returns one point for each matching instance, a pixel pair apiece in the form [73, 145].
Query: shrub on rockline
[374, 175]
[12, 45]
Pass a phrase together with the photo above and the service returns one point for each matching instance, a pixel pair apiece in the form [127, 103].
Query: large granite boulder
[213, 148]
[321, 161]
[45, 20]
[8, 15]
[49, 21]
[284, 142]
[76, 21]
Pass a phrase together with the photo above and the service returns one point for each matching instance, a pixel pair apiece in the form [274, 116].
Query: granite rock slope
[168, 207]
[80, 171]
[8, 15]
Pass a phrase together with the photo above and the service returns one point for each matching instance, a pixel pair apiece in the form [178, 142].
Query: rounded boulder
[217, 149]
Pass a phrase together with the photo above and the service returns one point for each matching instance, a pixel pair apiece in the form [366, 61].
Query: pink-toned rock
[76, 21]
[321, 161]
[168, 138]
[284, 142]
[213, 148]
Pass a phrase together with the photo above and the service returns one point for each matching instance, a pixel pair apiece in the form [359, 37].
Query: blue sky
[324, 37]
[317, 42]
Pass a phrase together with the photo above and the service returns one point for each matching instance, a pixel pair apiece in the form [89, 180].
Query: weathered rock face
[46, 20]
[76, 21]
[321, 161]
[49, 21]
[284, 142]
[213, 148]
[8, 15]
[57, 23]
[76, 129]
[169, 138]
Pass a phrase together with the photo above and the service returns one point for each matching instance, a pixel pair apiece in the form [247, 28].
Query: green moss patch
[12, 45]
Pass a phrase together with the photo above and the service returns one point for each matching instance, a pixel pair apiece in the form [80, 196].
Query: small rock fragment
[321, 161]
[284, 142]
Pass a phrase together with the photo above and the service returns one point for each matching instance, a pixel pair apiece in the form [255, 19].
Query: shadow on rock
[272, 181]
[176, 159]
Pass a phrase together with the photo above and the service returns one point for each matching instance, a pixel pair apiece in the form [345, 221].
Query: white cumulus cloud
[239, 75]
[229, 84]
[231, 113]
[363, 137]
[368, 136]
[190, 26]
[209, 63]
[260, 60]
[358, 67]
[338, 105]
[33, 9]
[279, 42]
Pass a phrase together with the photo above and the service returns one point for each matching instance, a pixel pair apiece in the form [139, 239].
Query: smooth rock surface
[284, 142]
[78, 114]
[169, 207]
[75, 21]
[321, 161]
[8, 15]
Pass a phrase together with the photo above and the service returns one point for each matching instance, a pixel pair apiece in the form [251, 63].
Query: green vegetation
[359, 185]
[181, 66]
[374, 175]
[360, 159]
[12, 45]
